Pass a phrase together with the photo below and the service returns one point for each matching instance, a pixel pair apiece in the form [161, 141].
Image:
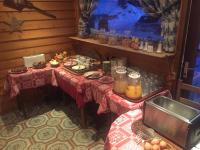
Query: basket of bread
[156, 144]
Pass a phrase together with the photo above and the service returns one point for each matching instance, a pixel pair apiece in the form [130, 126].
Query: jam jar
[134, 87]
[120, 80]
[102, 37]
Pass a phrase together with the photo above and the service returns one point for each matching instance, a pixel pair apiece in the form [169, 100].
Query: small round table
[120, 136]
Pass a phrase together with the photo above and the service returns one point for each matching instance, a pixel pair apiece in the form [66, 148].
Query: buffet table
[81, 89]
[121, 136]
[33, 78]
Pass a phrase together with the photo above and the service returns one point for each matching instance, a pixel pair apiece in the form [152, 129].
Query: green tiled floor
[48, 128]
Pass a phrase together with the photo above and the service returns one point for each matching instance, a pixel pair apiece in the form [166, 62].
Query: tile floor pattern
[46, 129]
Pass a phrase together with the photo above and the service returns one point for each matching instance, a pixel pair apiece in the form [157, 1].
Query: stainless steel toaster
[176, 121]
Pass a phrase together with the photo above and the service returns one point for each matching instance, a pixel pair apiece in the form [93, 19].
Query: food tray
[21, 70]
[143, 98]
[76, 72]
[146, 134]
[39, 67]
[88, 76]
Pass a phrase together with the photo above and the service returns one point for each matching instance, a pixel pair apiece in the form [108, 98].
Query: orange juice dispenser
[134, 87]
[120, 83]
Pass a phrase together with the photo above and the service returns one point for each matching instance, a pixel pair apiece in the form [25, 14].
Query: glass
[122, 61]
[113, 67]
[106, 67]
[134, 88]
[117, 62]
[120, 80]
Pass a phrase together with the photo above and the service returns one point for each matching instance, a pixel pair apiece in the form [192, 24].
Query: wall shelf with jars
[128, 45]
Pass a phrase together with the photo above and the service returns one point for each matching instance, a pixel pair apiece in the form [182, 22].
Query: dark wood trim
[181, 33]
[182, 88]
[121, 48]
[77, 14]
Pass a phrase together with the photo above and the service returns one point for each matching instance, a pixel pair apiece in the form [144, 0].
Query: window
[125, 17]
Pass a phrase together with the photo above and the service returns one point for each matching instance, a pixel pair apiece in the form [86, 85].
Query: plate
[70, 63]
[93, 74]
[18, 70]
[39, 65]
[78, 67]
[106, 80]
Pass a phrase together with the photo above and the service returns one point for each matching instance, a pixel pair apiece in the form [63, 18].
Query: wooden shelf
[91, 41]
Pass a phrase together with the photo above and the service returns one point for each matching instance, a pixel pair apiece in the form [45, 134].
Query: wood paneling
[53, 5]
[39, 33]
[36, 34]
[10, 46]
[7, 16]
[43, 24]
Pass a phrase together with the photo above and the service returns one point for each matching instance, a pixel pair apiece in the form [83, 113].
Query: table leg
[83, 118]
[21, 107]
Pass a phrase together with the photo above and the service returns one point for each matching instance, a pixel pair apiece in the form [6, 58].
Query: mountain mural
[123, 16]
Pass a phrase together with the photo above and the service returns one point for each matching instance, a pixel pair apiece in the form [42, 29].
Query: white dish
[78, 67]
[93, 74]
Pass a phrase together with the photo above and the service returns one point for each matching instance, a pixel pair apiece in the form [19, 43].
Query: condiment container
[120, 80]
[135, 43]
[134, 88]
[102, 37]
[126, 41]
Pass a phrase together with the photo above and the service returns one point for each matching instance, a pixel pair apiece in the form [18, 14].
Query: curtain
[86, 7]
[168, 10]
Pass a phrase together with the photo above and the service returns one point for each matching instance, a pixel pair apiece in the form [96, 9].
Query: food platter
[77, 69]
[150, 138]
[39, 65]
[70, 63]
[93, 74]
[18, 70]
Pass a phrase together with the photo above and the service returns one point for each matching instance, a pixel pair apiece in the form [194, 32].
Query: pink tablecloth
[120, 136]
[33, 78]
[81, 89]
[71, 84]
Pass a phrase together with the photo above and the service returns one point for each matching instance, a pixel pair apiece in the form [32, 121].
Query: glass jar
[134, 87]
[126, 41]
[102, 37]
[120, 82]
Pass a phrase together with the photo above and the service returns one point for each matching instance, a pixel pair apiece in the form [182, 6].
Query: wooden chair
[189, 88]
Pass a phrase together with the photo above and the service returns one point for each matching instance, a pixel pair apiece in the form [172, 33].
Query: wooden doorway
[190, 72]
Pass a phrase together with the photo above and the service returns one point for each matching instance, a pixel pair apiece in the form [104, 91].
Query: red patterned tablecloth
[33, 78]
[120, 136]
[81, 89]
[71, 84]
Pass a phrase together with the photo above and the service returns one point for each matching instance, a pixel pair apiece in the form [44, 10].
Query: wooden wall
[39, 33]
